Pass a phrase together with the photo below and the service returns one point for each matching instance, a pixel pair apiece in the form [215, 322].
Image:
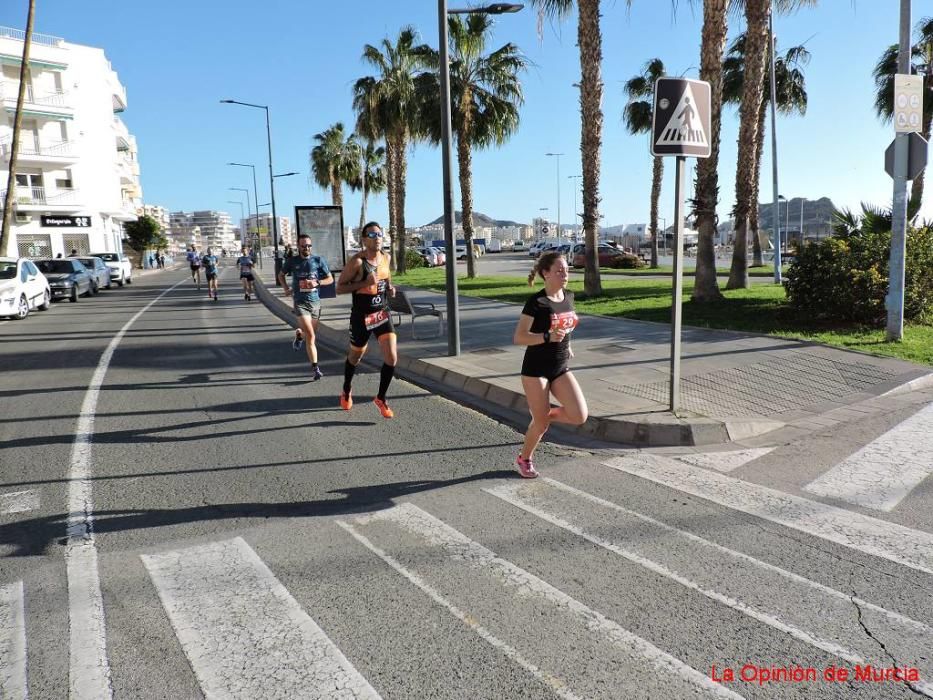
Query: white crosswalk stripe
[242, 631]
[806, 610]
[12, 643]
[725, 461]
[886, 470]
[880, 538]
[18, 502]
[445, 556]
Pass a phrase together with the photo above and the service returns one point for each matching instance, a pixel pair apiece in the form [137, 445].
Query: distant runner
[245, 263]
[544, 329]
[194, 260]
[209, 262]
[308, 273]
[367, 278]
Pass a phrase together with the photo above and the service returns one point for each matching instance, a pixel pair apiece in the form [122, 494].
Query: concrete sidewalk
[735, 387]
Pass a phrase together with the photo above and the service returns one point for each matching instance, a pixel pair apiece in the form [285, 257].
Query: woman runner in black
[544, 328]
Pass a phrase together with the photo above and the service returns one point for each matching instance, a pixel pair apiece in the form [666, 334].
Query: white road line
[525, 584]
[903, 545]
[12, 643]
[886, 470]
[89, 669]
[725, 461]
[801, 604]
[244, 634]
[18, 502]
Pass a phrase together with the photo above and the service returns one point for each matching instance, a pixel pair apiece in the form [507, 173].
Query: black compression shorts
[364, 325]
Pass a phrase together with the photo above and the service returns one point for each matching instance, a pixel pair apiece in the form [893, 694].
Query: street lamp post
[249, 211]
[576, 214]
[453, 310]
[557, 155]
[275, 223]
[255, 193]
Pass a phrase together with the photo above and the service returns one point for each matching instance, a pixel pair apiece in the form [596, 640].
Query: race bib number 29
[565, 321]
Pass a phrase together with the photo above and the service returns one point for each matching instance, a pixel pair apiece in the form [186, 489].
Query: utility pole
[895, 299]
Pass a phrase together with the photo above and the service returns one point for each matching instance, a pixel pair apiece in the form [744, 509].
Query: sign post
[680, 127]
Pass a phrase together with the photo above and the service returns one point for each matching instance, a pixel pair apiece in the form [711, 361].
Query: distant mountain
[479, 219]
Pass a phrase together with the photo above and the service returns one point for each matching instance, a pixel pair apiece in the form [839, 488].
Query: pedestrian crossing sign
[681, 118]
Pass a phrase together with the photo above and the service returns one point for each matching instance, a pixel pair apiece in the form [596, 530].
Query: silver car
[100, 273]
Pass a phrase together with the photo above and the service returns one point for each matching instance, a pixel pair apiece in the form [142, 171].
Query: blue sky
[179, 59]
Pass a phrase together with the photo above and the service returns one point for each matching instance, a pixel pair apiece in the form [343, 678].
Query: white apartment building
[184, 232]
[77, 173]
[264, 228]
[216, 230]
[161, 215]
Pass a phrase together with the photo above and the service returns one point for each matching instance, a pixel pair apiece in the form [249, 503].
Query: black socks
[348, 371]
[385, 377]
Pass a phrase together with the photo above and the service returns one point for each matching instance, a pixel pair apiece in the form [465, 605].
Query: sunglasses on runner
[373, 234]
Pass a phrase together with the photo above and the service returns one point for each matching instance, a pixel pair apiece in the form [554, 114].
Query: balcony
[48, 105]
[128, 170]
[28, 153]
[38, 199]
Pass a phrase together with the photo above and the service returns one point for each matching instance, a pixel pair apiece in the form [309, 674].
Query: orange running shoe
[383, 408]
[346, 401]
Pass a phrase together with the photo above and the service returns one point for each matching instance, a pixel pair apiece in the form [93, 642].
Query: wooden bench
[400, 305]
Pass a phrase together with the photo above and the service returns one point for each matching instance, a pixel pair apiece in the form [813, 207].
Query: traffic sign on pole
[681, 118]
[916, 156]
[908, 103]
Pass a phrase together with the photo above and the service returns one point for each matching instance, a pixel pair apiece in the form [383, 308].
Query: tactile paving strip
[788, 382]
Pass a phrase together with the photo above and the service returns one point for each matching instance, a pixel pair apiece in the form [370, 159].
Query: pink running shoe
[526, 468]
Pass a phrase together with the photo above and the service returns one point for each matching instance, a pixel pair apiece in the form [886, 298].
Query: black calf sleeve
[385, 378]
[348, 371]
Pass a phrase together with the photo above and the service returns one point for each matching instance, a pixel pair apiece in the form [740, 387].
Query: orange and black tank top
[373, 297]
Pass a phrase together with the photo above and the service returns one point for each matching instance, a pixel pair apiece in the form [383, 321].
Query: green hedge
[413, 259]
[626, 261]
[846, 278]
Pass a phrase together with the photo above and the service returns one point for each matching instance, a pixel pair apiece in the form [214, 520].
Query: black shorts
[359, 333]
[246, 276]
[195, 268]
[549, 373]
[545, 361]
[210, 275]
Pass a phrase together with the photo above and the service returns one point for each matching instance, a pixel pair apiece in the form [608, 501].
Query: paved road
[184, 515]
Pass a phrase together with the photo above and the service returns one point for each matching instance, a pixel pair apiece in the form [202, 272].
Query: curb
[664, 430]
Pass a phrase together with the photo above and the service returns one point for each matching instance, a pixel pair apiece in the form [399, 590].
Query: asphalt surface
[246, 528]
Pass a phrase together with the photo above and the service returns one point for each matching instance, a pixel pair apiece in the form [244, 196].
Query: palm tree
[387, 106]
[334, 160]
[485, 95]
[791, 92]
[921, 54]
[372, 174]
[589, 39]
[17, 127]
[638, 116]
[712, 46]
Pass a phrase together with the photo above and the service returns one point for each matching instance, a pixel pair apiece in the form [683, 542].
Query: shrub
[846, 278]
[413, 259]
[626, 261]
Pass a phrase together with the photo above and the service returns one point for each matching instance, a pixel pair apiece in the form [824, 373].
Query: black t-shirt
[549, 315]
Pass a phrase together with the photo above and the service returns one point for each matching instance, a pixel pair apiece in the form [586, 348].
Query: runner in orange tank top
[367, 277]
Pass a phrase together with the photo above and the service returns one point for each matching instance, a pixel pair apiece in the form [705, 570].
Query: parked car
[99, 271]
[121, 269]
[67, 277]
[494, 246]
[429, 254]
[22, 288]
[604, 252]
[461, 252]
[440, 254]
[518, 246]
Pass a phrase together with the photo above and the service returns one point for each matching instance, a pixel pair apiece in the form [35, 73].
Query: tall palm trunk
[756, 183]
[707, 183]
[656, 177]
[401, 168]
[757, 13]
[363, 186]
[591, 97]
[5, 236]
[464, 160]
[336, 192]
[390, 188]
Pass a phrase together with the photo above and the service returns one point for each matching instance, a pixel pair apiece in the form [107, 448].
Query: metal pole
[453, 312]
[800, 244]
[679, 189]
[256, 196]
[895, 299]
[774, 157]
[275, 222]
[558, 198]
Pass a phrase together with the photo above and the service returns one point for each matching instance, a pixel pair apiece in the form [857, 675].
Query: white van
[518, 245]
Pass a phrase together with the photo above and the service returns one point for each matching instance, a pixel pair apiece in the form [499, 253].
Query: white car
[121, 269]
[430, 255]
[22, 288]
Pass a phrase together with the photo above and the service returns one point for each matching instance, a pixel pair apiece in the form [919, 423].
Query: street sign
[908, 103]
[680, 121]
[65, 221]
[916, 158]
[544, 229]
